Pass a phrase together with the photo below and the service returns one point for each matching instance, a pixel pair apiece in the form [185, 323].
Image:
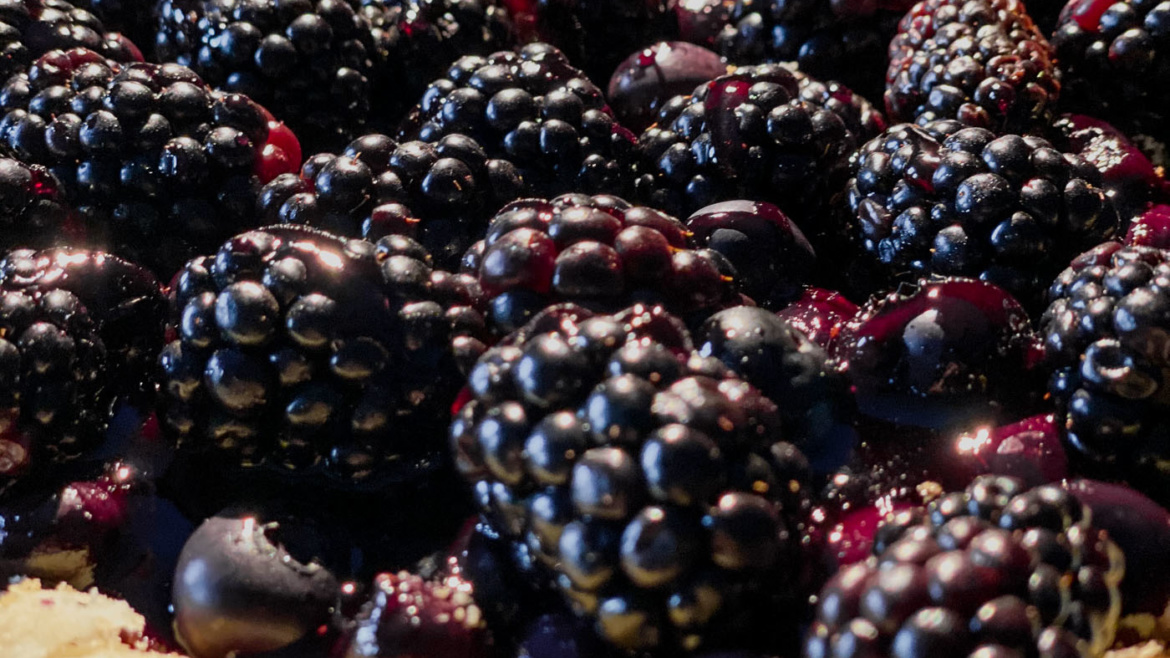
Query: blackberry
[951, 200]
[1108, 53]
[1103, 339]
[533, 109]
[945, 354]
[330, 67]
[596, 34]
[983, 63]
[136, 20]
[33, 211]
[651, 486]
[313, 354]
[599, 252]
[77, 329]
[995, 570]
[441, 194]
[650, 77]
[31, 28]
[763, 133]
[156, 164]
[843, 41]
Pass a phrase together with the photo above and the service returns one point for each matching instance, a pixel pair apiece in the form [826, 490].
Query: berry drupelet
[952, 200]
[650, 77]
[764, 133]
[995, 570]
[843, 41]
[157, 165]
[134, 19]
[33, 211]
[598, 252]
[1109, 53]
[653, 487]
[984, 63]
[312, 353]
[31, 28]
[1104, 338]
[78, 329]
[533, 109]
[440, 194]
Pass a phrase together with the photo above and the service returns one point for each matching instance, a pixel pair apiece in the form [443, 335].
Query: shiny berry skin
[533, 109]
[786, 366]
[819, 314]
[599, 252]
[957, 201]
[248, 584]
[1151, 228]
[326, 67]
[156, 164]
[1103, 346]
[1107, 51]
[644, 480]
[313, 353]
[841, 41]
[763, 133]
[996, 565]
[32, 28]
[768, 251]
[984, 64]
[650, 77]
[943, 355]
[409, 617]
[440, 194]
[32, 206]
[1030, 450]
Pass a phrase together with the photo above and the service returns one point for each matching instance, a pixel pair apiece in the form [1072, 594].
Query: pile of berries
[590, 328]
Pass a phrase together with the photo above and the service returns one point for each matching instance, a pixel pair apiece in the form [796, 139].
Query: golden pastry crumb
[65, 623]
[1151, 649]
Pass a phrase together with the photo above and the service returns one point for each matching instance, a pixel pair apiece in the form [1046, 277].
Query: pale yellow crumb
[66, 623]
[1151, 649]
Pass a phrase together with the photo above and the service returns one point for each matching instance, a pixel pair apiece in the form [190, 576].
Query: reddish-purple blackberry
[947, 199]
[995, 570]
[309, 352]
[31, 28]
[945, 354]
[1108, 54]
[765, 133]
[598, 252]
[156, 164]
[653, 488]
[78, 330]
[650, 77]
[596, 35]
[33, 211]
[842, 41]
[441, 194]
[984, 63]
[533, 109]
[1104, 338]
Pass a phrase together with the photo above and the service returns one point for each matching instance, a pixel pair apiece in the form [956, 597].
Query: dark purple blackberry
[657, 73]
[843, 41]
[533, 109]
[598, 252]
[945, 354]
[33, 211]
[1104, 339]
[1108, 53]
[764, 133]
[596, 35]
[330, 68]
[440, 194]
[132, 18]
[78, 331]
[31, 28]
[156, 164]
[311, 353]
[983, 63]
[957, 201]
[650, 485]
[995, 570]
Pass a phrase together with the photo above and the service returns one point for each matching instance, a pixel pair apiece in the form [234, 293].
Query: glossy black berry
[1030, 577]
[312, 353]
[949, 200]
[32, 206]
[29, 29]
[985, 64]
[645, 482]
